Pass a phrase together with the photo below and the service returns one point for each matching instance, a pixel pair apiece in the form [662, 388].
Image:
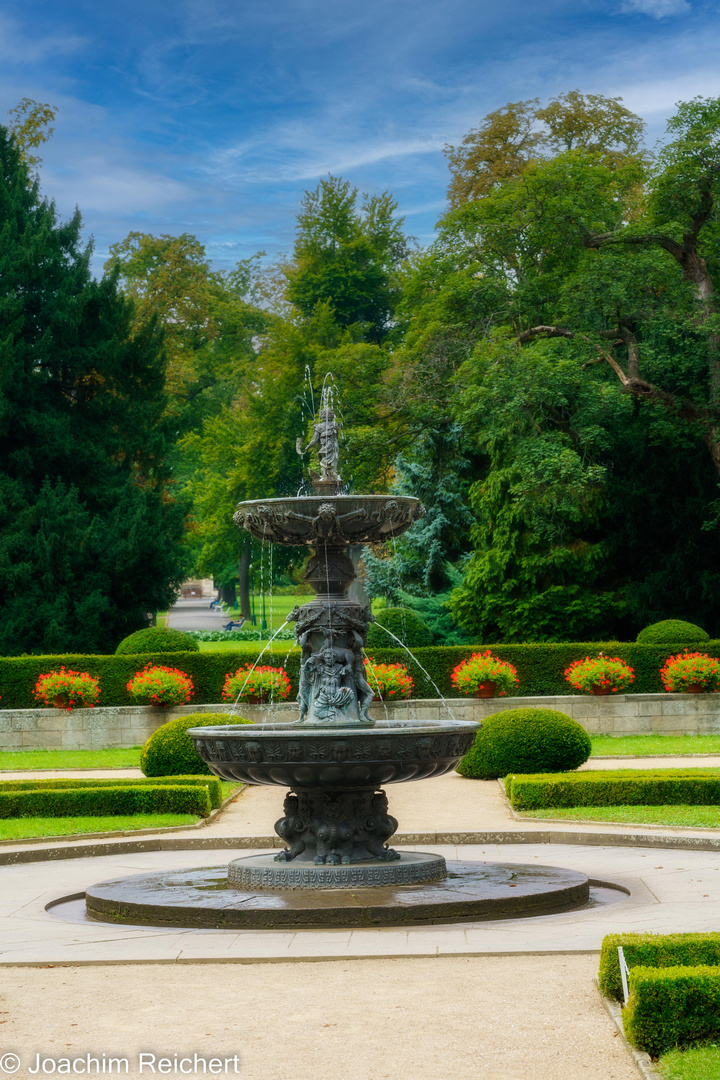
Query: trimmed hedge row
[99, 801]
[18, 674]
[653, 950]
[211, 783]
[540, 668]
[624, 787]
[674, 1006]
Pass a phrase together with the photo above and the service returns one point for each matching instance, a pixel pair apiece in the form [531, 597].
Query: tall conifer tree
[90, 537]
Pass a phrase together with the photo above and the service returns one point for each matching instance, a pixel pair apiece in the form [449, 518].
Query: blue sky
[213, 116]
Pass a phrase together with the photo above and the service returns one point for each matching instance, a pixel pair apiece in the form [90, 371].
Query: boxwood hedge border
[540, 668]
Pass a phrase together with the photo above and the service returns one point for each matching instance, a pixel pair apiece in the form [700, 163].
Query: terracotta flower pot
[254, 699]
[486, 689]
[60, 701]
[695, 688]
[600, 691]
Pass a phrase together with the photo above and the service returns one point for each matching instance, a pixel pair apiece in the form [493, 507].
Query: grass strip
[696, 1063]
[31, 828]
[112, 758]
[697, 817]
[653, 745]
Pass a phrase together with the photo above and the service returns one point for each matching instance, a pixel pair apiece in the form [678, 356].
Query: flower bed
[600, 675]
[484, 675]
[65, 689]
[391, 681]
[157, 684]
[256, 684]
[691, 673]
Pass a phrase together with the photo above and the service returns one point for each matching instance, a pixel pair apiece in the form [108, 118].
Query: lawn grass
[697, 1063]
[35, 827]
[112, 758]
[278, 650]
[30, 827]
[698, 817]
[654, 745]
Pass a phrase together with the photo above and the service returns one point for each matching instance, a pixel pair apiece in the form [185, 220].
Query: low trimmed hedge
[212, 785]
[157, 639]
[540, 668]
[170, 751]
[621, 787]
[653, 950]
[674, 1006]
[100, 801]
[519, 740]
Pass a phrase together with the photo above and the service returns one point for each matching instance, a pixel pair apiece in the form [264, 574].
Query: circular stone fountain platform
[471, 891]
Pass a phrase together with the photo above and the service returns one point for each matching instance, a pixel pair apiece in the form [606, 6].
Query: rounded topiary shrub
[404, 623]
[169, 750]
[525, 741]
[671, 631]
[157, 639]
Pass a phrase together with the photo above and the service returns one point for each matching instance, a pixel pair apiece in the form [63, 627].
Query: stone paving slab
[669, 891]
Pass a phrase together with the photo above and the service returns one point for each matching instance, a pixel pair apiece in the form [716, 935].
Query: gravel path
[504, 1018]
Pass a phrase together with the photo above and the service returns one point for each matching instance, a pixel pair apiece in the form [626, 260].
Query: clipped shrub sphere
[169, 750]
[525, 741]
[405, 624]
[671, 631]
[157, 639]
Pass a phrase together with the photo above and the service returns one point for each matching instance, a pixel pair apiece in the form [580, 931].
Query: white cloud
[659, 9]
[19, 48]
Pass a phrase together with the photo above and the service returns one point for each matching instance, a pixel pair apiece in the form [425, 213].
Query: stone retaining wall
[626, 714]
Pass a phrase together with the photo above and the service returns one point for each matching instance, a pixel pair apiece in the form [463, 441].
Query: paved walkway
[195, 614]
[507, 1000]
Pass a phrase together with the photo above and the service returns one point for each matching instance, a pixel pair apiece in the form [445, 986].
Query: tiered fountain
[337, 867]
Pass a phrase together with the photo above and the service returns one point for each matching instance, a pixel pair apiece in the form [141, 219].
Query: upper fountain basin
[334, 520]
[316, 756]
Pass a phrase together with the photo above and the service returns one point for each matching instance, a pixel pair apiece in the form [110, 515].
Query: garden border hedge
[540, 668]
[621, 787]
[211, 783]
[102, 801]
[674, 1006]
[653, 950]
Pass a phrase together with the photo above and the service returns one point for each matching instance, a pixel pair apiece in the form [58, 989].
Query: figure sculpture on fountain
[327, 439]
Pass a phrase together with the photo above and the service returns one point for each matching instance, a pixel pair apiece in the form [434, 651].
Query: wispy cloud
[659, 9]
[19, 48]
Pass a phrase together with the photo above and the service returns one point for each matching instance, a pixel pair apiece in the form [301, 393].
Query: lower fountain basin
[351, 758]
[471, 891]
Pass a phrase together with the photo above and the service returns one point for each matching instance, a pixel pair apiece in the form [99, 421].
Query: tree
[347, 257]
[523, 132]
[90, 533]
[208, 317]
[31, 127]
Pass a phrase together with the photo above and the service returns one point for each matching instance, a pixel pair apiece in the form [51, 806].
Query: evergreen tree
[90, 536]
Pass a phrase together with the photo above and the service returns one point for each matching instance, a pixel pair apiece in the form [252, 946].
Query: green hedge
[540, 668]
[210, 783]
[18, 674]
[524, 740]
[99, 801]
[622, 787]
[675, 1006]
[653, 950]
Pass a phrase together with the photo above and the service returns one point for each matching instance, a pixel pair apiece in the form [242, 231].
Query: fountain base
[266, 872]
[471, 892]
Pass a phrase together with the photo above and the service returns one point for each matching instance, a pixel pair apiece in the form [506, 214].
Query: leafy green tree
[30, 128]
[347, 256]
[524, 132]
[90, 534]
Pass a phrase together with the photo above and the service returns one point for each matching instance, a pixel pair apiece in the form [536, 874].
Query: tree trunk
[244, 579]
[227, 594]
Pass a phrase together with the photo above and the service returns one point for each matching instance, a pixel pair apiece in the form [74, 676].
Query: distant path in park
[195, 613]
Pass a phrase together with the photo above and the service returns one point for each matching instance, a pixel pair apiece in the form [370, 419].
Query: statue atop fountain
[326, 437]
